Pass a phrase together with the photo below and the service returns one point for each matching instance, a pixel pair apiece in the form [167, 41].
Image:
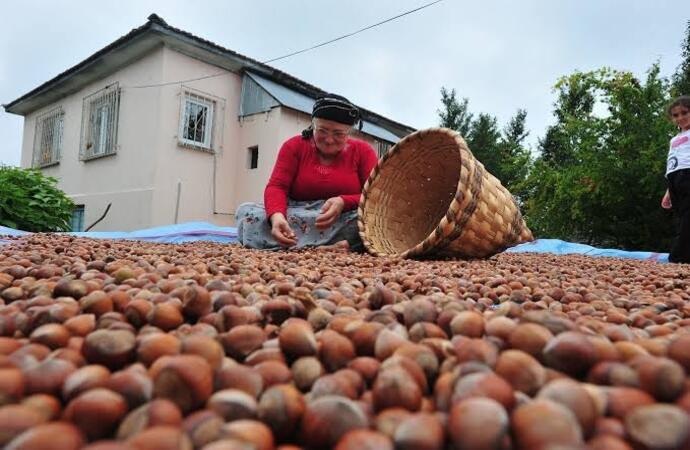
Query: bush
[30, 201]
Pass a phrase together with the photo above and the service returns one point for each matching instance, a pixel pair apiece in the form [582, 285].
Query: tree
[31, 202]
[503, 154]
[515, 156]
[454, 114]
[483, 140]
[681, 79]
[599, 178]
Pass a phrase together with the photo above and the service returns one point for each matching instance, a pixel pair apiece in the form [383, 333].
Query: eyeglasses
[338, 135]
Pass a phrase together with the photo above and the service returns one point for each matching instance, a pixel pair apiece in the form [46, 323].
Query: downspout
[177, 202]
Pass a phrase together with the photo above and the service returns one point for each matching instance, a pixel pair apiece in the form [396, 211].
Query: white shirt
[679, 153]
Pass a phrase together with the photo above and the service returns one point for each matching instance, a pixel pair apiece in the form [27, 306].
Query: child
[678, 178]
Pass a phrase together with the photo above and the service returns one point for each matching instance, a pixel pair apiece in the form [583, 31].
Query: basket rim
[452, 224]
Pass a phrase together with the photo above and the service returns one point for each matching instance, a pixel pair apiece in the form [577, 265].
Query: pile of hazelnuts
[110, 345]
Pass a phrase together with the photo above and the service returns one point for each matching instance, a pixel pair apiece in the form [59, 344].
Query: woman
[312, 196]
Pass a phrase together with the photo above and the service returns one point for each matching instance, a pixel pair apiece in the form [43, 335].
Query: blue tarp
[172, 234]
[203, 231]
[562, 248]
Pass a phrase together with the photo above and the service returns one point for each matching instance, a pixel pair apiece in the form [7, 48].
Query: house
[167, 127]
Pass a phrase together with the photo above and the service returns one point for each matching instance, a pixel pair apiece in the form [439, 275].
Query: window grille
[100, 114]
[253, 157]
[382, 148]
[196, 121]
[48, 138]
[77, 219]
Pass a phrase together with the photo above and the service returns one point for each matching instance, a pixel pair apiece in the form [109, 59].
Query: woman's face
[681, 117]
[330, 137]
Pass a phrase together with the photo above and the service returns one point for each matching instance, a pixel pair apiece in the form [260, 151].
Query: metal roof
[296, 100]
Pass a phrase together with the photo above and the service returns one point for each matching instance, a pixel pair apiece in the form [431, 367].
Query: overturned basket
[429, 196]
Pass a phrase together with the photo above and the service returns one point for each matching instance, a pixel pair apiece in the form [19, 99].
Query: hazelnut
[62, 435]
[336, 350]
[297, 339]
[305, 371]
[159, 437]
[83, 379]
[281, 407]
[111, 348]
[395, 387]
[48, 376]
[362, 439]
[658, 426]
[150, 347]
[242, 340]
[206, 347]
[133, 384]
[484, 384]
[543, 423]
[202, 427]
[15, 419]
[232, 404]
[328, 418]
[52, 335]
[240, 377]
[166, 316]
[573, 396]
[467, 323]
[420, 431]
[478, 423]
[97, 412]
[521, 370]
[187, 380]
[157, 412]
[530, 338]
[387, 421]
[251, 431]
[12, 385]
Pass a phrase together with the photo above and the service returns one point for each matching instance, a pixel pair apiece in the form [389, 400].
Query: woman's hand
[666, 201]
[281, 231]
[330, 211]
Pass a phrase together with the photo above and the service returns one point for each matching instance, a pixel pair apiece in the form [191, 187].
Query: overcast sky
[501, 55]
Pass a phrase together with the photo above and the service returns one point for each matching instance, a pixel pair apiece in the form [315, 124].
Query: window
[196, 121]
[253, 157]
[48, 138]
[77, 220]
[382, 148]
[100, 114]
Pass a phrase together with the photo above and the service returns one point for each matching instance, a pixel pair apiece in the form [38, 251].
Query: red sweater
[299, 175]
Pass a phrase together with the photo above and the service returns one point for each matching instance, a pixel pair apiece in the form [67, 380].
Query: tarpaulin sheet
[173, 234]
[559, 247]
[203, 231]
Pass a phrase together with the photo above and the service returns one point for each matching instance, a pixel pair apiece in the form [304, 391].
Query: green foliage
[681, 79]
[30, 201]
[454, 114]
[599, 178]
[502, 153]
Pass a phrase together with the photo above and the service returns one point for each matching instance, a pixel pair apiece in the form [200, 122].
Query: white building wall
[125, 179]
[193, 170]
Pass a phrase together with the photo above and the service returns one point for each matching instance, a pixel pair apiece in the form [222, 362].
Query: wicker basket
[429, 196]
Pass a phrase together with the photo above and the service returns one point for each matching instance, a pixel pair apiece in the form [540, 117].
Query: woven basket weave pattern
[429, 196]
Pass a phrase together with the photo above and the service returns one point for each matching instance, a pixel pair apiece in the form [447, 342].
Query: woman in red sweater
[312, 196]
